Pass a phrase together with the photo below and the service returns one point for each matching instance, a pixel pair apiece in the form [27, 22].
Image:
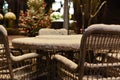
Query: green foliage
[35, 17]
[55, 16]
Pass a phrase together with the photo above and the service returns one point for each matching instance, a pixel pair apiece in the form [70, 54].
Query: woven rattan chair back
[5, 62]
[99, 57]
[48, 31]
[16, 67]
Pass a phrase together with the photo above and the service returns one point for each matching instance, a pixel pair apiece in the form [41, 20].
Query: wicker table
[49, 42]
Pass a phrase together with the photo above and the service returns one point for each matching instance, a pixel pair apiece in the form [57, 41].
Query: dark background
[110, 14]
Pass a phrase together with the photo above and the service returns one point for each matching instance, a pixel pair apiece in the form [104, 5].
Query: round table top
[49, 42]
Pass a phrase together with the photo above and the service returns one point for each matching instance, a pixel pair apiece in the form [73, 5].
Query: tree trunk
[77, 15]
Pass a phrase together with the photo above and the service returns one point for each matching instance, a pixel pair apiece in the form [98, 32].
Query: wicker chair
[21, 67]
[99, 57]
[47, 31]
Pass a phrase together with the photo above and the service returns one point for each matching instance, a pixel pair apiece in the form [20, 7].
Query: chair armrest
[23, 57]
[12, 50]
[67, 62]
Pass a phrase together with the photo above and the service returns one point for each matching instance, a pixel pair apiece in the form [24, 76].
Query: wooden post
[66, 15]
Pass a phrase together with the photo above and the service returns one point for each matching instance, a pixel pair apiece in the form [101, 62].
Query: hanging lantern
[5, 7]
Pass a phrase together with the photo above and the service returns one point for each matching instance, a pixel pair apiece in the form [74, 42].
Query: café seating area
[99, 56]
[14, 65]
[93, 55]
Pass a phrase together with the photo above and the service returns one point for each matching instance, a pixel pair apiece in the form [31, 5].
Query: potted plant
[10, 17]
[35, 17]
